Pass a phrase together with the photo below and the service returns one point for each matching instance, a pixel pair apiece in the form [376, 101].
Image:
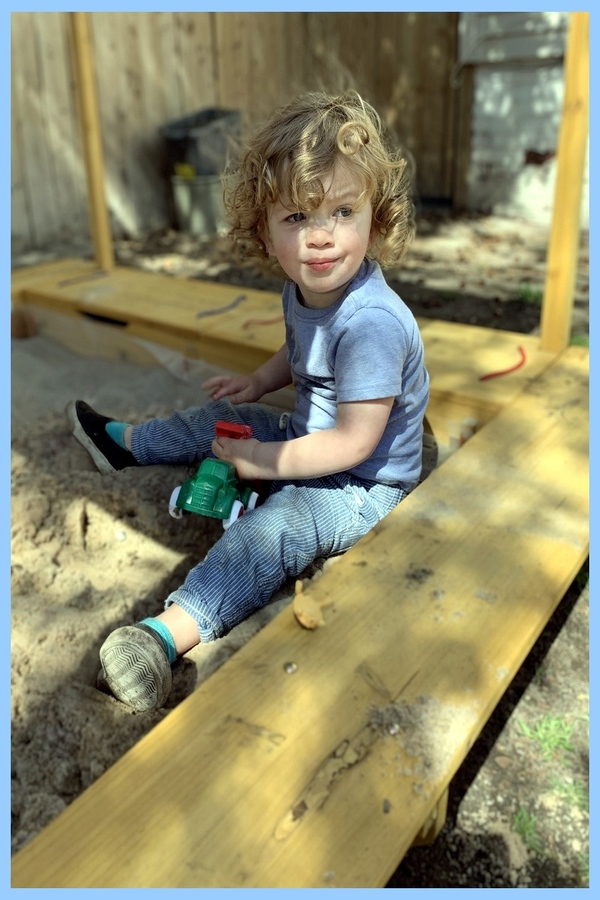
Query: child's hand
[239, 388]
[241, 454]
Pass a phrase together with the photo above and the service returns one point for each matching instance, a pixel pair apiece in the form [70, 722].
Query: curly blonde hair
[298, 147]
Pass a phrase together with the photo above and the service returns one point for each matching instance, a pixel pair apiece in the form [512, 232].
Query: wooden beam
[323, 773]
[239, 329]
[563, 246]
[92, 139]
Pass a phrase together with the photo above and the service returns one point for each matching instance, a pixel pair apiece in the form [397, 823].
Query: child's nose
[319, 234]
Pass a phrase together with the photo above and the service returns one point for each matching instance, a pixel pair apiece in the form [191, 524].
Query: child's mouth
[321, 265]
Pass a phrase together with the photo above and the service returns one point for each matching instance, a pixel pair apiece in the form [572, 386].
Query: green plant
[580, 340]
[532, 295]
[583, 860]
[573, 792]
[552, 733]
[525, 825]
[540, 674]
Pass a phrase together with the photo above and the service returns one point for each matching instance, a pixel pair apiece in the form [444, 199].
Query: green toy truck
[214, 491]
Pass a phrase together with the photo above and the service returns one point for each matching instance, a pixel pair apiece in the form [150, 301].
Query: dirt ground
[91, 552]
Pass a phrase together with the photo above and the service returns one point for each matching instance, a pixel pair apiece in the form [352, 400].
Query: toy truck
[214, 491]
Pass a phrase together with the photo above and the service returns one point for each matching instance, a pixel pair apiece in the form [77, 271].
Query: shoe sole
[101, 462]
[136, 668]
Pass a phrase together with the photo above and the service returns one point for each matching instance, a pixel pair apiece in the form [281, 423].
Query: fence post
[563, 247]
[92, 139]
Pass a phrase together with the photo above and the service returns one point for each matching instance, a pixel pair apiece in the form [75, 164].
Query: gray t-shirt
[364, 347]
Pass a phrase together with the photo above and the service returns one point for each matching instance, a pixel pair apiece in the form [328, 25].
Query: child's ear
[372, 238]
[263, 233]
[374, 235]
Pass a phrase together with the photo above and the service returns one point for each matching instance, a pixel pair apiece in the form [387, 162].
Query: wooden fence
[154, 67]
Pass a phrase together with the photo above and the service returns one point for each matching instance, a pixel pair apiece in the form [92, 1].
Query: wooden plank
[563, 247]
[324, 777]
[180, 314]
[184, 314]
[55, 271]
[458, 356]
[176, 312]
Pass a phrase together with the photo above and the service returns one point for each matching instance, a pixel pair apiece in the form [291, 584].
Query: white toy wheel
[236, 511]
[253, 500]
[174, 510]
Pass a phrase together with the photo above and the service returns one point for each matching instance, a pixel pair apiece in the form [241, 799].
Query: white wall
[519, 87]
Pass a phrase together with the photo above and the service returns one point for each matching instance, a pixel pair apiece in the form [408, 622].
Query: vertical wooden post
[92, 139]
[462, 144]
[561, 268]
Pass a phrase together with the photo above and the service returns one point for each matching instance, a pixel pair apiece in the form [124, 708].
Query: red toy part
[232, 430]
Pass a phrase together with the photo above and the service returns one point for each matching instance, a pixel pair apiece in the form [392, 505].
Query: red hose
[522, 360]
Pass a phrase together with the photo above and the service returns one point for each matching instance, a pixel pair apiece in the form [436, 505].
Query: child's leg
[295, 526]
[136, 659]
[182, 626]
[97, 434]
[184, 438]
[239, 575]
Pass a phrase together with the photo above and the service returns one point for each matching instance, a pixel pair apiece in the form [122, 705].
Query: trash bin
[198, 202]
[202, 143]
[198, 148]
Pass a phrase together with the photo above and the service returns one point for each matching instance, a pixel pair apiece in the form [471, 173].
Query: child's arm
[271, 376]
[357, 432]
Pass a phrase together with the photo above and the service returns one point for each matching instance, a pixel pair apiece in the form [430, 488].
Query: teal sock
[116, 430]
[164, 634]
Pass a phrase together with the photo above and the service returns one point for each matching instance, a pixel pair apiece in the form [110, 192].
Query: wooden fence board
[195, 69]
[20, 221]
[113, 105]
[29, 112]
[563, 248]
[62, 128]
[153, 68]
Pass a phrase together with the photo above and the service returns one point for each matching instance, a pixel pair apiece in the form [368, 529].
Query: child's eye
[343, 212]
[296, 217]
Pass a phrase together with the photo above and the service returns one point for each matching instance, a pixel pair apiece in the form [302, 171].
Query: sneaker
[88, 428]
[135, 667]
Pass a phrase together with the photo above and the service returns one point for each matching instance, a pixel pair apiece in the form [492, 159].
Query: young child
[318, 189]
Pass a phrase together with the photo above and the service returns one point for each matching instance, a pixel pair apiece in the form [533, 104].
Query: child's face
[322, 249]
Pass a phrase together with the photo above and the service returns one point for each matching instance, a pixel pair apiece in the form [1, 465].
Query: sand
[89, 553]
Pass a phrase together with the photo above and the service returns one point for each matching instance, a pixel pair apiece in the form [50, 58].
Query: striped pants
[297, 524]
